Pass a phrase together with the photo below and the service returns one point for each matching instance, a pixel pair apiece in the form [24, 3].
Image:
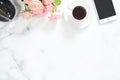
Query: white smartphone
[105, 10]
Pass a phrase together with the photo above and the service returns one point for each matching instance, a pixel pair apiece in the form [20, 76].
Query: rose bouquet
[41, 8]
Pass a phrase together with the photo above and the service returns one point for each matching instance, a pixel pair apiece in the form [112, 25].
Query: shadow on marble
[71, 30]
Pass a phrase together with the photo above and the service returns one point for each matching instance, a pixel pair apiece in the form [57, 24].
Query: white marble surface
[46, 50]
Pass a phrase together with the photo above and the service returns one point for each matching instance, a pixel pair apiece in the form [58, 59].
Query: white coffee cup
[69, 13]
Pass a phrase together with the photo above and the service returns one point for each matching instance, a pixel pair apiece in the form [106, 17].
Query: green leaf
[26, 7]
[54, 10]
[56, 2]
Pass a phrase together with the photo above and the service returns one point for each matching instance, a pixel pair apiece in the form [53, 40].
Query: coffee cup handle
[67, 12]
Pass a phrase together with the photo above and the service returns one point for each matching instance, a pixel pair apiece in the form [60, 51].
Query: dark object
[7, 10]
[105, 8]
[79, 12]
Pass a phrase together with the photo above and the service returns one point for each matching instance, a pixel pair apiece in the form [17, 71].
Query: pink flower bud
[54, 16]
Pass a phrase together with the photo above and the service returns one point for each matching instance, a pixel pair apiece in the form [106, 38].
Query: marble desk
[55, 50]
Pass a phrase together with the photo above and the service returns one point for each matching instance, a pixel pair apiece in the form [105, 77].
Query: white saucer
[68, 14]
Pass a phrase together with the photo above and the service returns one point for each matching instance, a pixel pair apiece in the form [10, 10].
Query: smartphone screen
[104, 8]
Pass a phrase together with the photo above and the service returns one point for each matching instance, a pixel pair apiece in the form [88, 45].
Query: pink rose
[47, 2]
[26, 14]
[39, 13]
[36, 5]
[54, 16]
[37, 8]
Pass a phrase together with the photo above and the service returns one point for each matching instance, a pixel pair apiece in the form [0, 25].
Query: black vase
[7, 10]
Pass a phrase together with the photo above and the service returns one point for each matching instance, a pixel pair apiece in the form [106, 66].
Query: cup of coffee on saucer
[77, 14]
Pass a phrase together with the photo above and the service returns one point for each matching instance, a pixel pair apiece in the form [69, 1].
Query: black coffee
[79, 12]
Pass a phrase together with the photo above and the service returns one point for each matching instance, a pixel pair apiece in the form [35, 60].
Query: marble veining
[37, 49]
